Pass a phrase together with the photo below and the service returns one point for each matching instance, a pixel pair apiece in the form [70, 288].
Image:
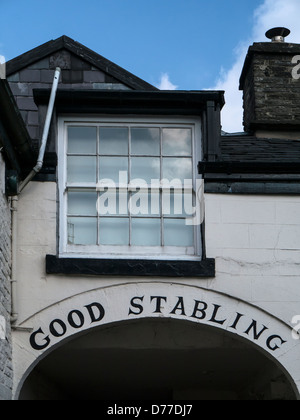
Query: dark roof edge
[64, 42]
[15, 128]
[254, 167]
[156, 102]
[33, 55]
[187, 95]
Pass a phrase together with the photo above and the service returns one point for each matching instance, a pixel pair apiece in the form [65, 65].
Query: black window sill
[137, 268]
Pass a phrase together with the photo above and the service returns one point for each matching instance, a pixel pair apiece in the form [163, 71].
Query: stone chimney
[270, 82]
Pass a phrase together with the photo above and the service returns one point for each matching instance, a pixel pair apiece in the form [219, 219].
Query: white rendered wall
[254, 239]
[5, 296]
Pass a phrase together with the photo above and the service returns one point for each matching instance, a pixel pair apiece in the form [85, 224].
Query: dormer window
[129, 187]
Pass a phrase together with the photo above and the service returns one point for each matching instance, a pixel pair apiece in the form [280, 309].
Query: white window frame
[123, 252]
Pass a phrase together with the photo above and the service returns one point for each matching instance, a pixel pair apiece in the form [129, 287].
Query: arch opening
[163, 359]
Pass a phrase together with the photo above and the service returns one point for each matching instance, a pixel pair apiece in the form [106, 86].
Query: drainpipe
[14, 199]
[14, 249]
[40, 160]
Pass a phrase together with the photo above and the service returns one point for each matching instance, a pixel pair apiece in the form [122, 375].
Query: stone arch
[81, 314]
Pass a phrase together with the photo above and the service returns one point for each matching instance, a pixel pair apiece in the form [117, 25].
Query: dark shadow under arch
[156, 359]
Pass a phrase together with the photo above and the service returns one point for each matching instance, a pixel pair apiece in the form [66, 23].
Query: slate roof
[248, 148]
[65, 43]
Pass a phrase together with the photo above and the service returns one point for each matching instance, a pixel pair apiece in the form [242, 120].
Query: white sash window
[130, 187]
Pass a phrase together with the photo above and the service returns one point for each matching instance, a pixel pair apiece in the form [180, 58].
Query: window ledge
[136, 268]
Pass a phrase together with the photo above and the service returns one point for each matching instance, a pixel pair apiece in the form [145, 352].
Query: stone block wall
[6, 374]
[271, 93]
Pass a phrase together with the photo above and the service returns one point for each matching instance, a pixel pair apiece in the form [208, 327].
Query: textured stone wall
[6, 376]
[271, 93]
[277, 94]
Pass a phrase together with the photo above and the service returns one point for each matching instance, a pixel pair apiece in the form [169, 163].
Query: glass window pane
[173, 203]
[146, 232]
[145, 141]
[110, 168]
[82, 203]
[144, 204]
[176, 233]
[81, 169]
[189, 204]
[177, 168]
[82, 140]
[145, 168]
[113, 202]
[177, 142]
[82, 230]
[113, 141]
[114, 231]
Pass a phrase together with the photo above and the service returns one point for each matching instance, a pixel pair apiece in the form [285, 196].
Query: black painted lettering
[199, 310]
[179, 306]
[236, 321]
[214, 316]
[72, 321]
[96, 312]
[136, 305]
[33, 342]
[159, 300]
[53, 328]
[273, 346]
[253, 327]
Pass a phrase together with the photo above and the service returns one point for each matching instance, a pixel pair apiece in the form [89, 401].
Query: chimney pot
[278, 34]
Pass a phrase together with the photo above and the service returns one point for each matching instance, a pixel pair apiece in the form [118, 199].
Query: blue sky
[188, 39]
[196, 44]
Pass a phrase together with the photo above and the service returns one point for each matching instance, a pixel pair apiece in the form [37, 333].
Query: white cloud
[270, 14]
[232, 113]
[274, 13]
[165, 83]
[2, 59]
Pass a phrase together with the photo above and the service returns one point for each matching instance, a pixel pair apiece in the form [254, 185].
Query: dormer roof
[83, 53]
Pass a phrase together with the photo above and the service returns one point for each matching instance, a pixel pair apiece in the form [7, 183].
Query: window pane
[110, 167]
[144, 204]
[146, 232]
[82, 230]
[145, 141]
[114, 231]
[173, 203]
[177, 142]
[113, 202]
[113, 141]
[82, 203]
[145, 168]
[81, 169]
[176, 233]
[174, 168]
[82, 140]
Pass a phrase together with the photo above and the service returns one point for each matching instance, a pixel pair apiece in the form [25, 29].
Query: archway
[156, 359]
[155, 340]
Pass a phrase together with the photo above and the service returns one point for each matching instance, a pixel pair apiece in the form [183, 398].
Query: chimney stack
[271, 90]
